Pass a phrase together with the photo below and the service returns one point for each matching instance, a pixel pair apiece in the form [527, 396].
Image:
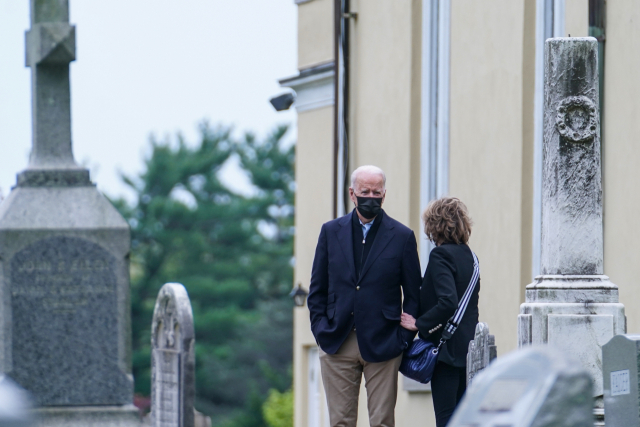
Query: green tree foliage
[233, 253]
[278, 409]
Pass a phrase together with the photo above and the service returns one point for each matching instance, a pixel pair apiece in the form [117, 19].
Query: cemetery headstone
[620, 369]
[533, 387]
[15, 405]
[172, 359]
[482, 351]
[201, 420]
[64, 258]
[572, 305]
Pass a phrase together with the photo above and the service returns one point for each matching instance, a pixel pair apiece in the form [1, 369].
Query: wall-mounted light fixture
[299, 295]
[283, 102]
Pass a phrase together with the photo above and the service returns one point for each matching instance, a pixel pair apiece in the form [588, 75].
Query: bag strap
[454, 321]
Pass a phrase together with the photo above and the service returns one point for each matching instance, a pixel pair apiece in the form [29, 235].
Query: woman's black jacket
[446, 279]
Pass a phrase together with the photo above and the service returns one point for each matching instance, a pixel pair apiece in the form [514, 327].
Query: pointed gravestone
[64, 259]
[172, 359]
[572, 305]
[482, 351]
[15, 406]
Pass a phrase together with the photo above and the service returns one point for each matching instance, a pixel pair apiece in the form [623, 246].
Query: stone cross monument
[64, 269]
[173, 359]
[572, 305]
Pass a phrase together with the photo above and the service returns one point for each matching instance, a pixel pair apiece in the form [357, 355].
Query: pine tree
[232, 252]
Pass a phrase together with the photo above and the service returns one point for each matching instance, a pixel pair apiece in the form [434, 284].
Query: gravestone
[482, 351]
[15, 406]
[533, 387]
[64, 259]
[172, 359]
[572, 305]
[621, 367]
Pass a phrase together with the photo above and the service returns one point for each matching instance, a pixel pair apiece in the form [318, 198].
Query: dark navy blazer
[338, 301]
[445, 281]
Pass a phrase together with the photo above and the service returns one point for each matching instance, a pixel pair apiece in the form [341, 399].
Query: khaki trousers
[341, 376]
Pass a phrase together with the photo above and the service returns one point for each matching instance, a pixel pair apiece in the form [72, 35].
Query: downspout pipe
[341, 111]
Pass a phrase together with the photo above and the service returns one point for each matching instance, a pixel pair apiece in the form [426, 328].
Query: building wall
[314, 179]
[314, 163]
[485, 148]
[621, 154]
[384, 98]
[492, 77]
[315, 33]
[576, 18]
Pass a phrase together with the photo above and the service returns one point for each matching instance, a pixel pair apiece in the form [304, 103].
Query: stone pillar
[64, 259]
[173, 359]
[572, 305]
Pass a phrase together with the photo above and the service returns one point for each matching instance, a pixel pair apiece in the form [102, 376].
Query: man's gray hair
[372, 170]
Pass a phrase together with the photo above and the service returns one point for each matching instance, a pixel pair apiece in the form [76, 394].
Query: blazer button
[352, 313]
[357, 288]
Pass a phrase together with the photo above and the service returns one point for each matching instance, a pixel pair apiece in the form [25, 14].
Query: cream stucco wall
[577, 18]
[384, 98]
[315, 33]
[486, 145]
[621, 154]
[314, 166]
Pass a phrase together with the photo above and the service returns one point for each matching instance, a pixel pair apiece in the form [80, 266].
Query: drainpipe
[342, 15]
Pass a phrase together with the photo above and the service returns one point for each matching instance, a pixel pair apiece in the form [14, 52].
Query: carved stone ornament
[577, 118]
[167, 328]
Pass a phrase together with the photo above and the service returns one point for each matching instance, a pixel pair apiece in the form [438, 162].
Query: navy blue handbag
[420, 358]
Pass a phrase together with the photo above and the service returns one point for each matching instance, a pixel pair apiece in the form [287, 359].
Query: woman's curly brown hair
[446, 220]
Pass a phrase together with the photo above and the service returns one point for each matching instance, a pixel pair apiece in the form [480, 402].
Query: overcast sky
[151, 67]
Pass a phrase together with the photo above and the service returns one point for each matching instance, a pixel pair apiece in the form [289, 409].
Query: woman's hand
[407, 321]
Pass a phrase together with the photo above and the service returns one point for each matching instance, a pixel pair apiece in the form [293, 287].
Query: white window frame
[434, 135]
[434, 129]
[550, 22]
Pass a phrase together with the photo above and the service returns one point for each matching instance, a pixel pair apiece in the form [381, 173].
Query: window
[550, 22]
[434, 138]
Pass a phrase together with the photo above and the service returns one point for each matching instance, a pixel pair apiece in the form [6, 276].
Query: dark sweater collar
[376, 221]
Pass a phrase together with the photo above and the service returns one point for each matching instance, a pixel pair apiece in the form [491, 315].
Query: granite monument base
[576, 314]
[85, 416]
[64, 288]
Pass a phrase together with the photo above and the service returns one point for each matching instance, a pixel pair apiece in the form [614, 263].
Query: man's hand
[408, 322]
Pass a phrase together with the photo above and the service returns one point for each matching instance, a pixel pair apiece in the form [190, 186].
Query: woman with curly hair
[448, 225]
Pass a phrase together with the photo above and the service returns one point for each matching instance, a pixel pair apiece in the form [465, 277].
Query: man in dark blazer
[365, 262]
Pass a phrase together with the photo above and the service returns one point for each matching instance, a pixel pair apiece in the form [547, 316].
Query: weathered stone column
[572, 305]
[571, 180]
[64, 267]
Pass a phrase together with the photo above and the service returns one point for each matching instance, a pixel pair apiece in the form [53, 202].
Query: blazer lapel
[381, 241]
[345, 238]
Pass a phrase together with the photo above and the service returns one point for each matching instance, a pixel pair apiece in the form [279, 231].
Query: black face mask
[369, 207]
